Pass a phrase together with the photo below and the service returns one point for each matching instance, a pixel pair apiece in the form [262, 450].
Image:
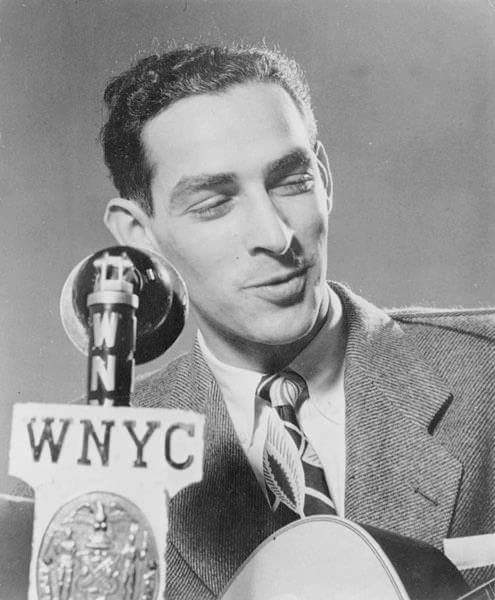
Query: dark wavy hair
[156, 82]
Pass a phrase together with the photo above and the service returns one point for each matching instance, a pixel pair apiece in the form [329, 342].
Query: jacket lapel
[398, 475]
[216, 523]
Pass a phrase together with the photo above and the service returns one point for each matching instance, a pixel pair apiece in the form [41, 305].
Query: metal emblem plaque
[98, 546]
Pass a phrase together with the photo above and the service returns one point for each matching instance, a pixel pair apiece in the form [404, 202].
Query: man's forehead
[222, 132]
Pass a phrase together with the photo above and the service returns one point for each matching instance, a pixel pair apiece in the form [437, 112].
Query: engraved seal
[98, 546]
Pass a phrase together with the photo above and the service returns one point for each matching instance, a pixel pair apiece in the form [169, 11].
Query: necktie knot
[286, 388]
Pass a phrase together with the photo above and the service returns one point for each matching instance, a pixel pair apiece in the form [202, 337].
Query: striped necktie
[292, 470]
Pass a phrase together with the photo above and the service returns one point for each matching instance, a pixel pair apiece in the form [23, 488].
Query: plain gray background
[404, 95]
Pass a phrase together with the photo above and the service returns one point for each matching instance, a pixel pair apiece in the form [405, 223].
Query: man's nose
[268, 230]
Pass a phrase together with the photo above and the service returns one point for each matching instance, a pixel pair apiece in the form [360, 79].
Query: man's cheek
[319, 232]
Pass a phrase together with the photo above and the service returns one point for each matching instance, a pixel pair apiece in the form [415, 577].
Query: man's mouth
[282, 288]
[280, 278]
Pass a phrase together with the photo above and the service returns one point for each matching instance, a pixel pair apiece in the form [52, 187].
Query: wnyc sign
[123, 440]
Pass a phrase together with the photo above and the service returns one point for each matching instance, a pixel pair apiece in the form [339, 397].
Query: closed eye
[294, 184]
[212, 208]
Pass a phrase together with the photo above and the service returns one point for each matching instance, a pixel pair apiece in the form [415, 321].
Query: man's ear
[326, 174]
[129, 224]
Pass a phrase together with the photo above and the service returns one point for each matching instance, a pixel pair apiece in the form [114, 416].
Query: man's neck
[267, 358]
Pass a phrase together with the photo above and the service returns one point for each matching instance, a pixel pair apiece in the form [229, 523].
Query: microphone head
[163, 301]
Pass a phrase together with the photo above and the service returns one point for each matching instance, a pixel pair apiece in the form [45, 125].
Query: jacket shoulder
[473, 323]
[459, 343]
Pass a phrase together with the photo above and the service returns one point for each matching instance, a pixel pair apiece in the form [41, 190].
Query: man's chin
[286, 332]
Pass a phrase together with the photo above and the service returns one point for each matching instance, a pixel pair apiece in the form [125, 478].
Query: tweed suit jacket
[420, 439]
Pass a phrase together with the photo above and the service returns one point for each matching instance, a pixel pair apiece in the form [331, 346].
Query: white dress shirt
[321, 417]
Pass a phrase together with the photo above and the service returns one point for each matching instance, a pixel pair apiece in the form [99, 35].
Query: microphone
[163, 302]
[101, 301]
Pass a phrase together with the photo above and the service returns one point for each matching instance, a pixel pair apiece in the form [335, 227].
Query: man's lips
[282, 289]
[278, 279]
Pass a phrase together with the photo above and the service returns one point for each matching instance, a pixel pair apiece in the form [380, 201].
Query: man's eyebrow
[296, 159]
[189, 184]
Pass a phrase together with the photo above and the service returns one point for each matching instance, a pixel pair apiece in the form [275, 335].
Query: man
[215, 155]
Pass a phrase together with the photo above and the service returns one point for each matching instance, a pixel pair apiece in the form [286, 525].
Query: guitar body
[327, 558]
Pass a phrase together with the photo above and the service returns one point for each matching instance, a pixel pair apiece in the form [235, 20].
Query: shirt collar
[316, 363]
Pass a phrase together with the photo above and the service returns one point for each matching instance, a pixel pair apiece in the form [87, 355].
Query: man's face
[240, 209]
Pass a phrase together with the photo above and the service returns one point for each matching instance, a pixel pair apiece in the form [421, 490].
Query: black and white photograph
[248, 299]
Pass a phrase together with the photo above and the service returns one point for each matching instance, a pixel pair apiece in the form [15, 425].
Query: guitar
[328, 558]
